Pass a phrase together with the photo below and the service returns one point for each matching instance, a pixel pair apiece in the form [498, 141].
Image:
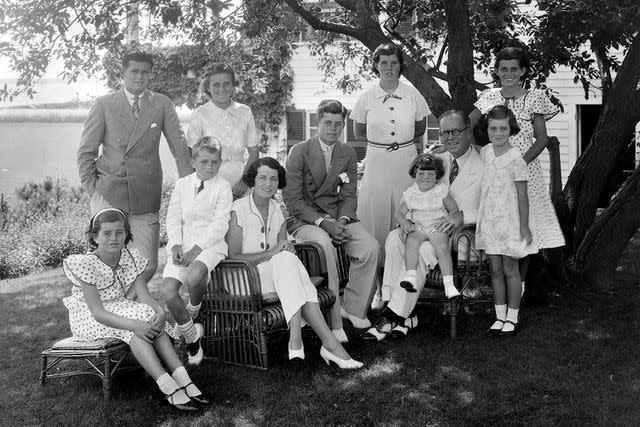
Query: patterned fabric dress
[234, 127]
[111, 285]
[498, 226]
[547, 230]
[426, 207]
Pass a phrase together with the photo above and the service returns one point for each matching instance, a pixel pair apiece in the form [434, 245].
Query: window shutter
[295, 127]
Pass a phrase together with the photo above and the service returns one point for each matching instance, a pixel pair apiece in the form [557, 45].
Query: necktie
[135, 108]
[454, 171]
[200, 188]
[390, 95]
[327, 158]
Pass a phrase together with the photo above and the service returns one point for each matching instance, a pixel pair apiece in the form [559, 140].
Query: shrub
[45, 222]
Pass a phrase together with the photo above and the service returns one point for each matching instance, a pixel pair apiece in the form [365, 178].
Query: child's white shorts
[208, 257]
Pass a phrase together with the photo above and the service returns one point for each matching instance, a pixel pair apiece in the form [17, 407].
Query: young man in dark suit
[321, 197]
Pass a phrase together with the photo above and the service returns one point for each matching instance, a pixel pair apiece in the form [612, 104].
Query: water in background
[31, 151]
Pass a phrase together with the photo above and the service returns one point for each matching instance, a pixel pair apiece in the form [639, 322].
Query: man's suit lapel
[337, 166]
[147, 113]
[123, 111]
[315, 162]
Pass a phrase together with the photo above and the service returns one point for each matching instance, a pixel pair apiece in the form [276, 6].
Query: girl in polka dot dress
[532, 108]
[98, 306]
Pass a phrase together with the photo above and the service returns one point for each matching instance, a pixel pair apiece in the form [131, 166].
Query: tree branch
[318, 24]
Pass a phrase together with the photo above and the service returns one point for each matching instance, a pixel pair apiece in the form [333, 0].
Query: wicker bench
[102, 358]
[240, 321]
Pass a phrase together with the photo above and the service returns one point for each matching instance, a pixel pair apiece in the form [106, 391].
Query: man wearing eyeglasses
[463, 172]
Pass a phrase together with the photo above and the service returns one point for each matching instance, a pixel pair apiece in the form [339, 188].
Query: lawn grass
[574, 363]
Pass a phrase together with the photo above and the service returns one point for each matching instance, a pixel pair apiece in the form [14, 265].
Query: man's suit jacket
[127, 172]
[466, 188]
[312, 192]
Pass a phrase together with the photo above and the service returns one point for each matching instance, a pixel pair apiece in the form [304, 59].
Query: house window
[432, 135]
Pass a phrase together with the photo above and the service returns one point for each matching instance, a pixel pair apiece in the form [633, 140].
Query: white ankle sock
[449, 288]
[168, 385]
[193, 310]
[189, 332]
[501, 316]
[512, 315]
[181, 377]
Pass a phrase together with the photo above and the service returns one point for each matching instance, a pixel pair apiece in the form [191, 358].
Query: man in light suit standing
[321, 197]
[126, 172]
[464, 170]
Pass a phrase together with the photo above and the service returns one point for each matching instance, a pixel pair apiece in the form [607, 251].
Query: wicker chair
[240, 321]
[473, 279]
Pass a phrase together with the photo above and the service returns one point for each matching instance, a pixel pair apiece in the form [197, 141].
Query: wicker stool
[102, 358]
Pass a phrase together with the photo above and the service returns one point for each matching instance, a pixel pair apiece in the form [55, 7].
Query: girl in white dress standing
[98, 306]
[503, 229]
[230, 122]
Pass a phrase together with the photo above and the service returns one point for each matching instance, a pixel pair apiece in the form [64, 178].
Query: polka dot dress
[546, 230]
[111, 285]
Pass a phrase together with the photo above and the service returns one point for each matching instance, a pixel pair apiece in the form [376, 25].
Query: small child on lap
[427, 202]
[197, 222]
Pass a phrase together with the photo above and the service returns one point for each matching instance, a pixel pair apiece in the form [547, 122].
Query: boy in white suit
[197, 221]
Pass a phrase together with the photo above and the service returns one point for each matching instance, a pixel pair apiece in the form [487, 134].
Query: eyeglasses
[454, 132]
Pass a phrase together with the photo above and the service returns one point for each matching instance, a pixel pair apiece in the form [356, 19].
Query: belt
[391, 147]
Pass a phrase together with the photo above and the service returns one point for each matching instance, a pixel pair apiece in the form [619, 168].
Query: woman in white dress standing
[388, 116]
[228, 121]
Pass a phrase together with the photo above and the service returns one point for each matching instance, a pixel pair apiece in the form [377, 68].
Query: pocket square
[153, 125]
[344, 177]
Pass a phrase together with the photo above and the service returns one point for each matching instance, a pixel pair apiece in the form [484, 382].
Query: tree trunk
[605, 241]
[460, 58]
[369, 33]
[614, 129]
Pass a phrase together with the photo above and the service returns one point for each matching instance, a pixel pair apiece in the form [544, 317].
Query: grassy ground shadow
[573, 363]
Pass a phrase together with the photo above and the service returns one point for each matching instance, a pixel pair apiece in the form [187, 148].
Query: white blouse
[392, 120]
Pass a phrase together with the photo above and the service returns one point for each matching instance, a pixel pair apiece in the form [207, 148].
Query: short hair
[455, 113]
[107, 215]
[427, 162]
[330, 106]
[206, 143]
[216, 68]
[250, 174]
[500, 112]
[386, 49]
[138, 55]
[516, 53]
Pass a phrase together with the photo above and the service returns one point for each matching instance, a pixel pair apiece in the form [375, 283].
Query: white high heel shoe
[297, 354]
[342, 364]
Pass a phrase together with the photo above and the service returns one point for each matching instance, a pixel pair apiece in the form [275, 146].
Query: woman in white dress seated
[257, 233]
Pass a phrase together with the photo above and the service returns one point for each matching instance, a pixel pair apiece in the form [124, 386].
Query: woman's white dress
[284, 273]
[386, 174]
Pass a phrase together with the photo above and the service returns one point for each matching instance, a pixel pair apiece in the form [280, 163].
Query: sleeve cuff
[318, 221]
